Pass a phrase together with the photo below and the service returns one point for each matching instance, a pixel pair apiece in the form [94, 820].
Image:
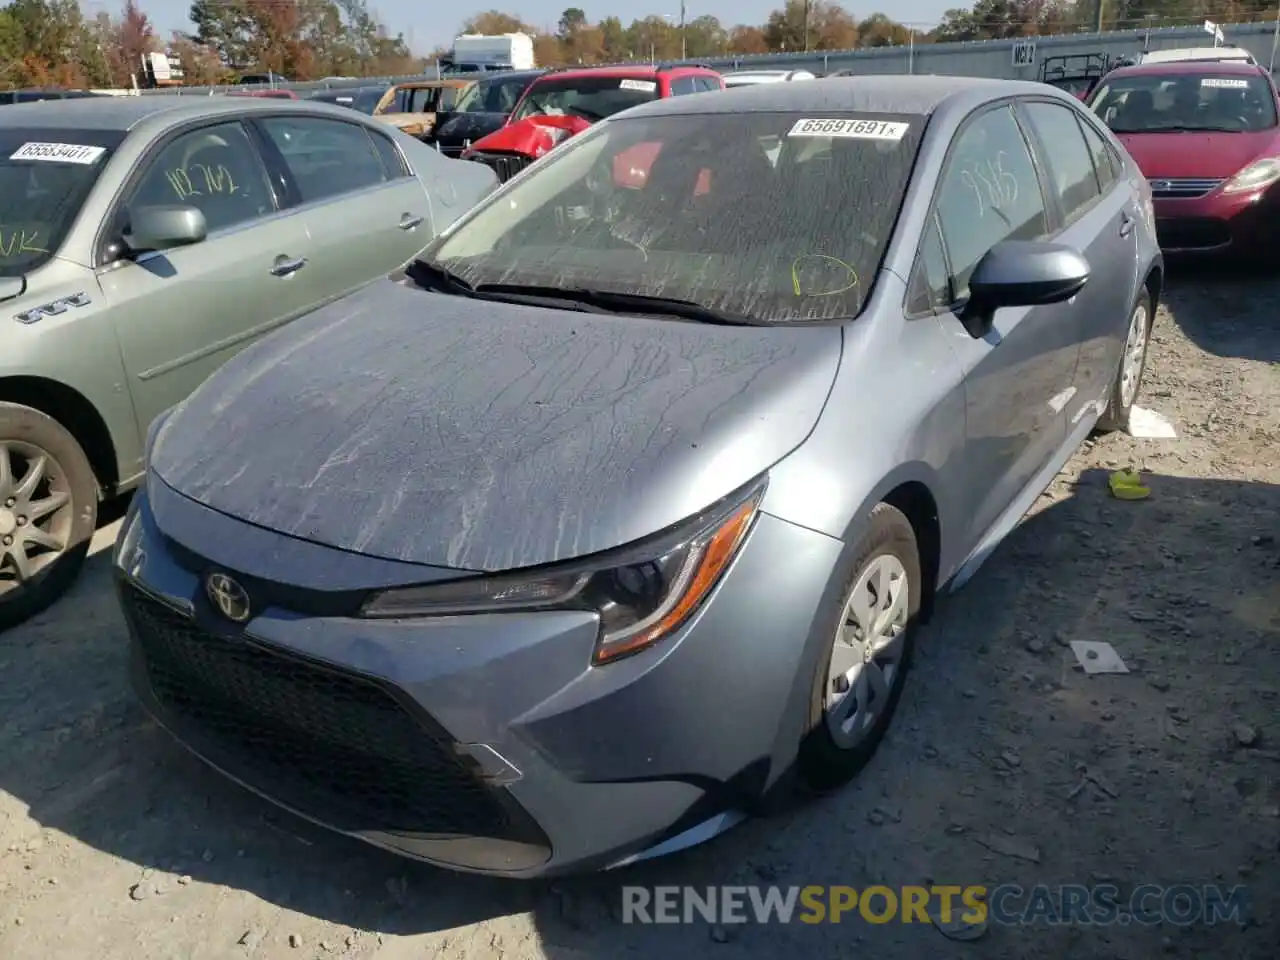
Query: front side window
[499, 95]
[214, 169]
[1067, 156]
[696, 208]
[326, 158]
[930, 286]
[1171, 102]
[990, 193]
[683, 85]
[591, 97]
[45, 178]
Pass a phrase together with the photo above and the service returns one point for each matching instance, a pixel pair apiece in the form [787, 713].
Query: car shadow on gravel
[1225, 309]
[993, 738]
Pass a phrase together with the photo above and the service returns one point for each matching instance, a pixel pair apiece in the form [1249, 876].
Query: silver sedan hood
[432, 429]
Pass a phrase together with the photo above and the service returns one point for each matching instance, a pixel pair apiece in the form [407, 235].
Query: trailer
[477, 53]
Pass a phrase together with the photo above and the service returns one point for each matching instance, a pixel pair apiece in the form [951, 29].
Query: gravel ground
[1007, 764]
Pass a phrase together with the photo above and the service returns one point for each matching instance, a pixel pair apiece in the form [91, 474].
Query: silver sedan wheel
[35, 513]
[1135, 351]
[866, 654]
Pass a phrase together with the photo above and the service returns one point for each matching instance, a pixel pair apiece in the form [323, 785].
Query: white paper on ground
[1148, 425]
[1098, 657]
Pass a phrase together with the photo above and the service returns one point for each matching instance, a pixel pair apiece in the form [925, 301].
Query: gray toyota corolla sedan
[611, 520]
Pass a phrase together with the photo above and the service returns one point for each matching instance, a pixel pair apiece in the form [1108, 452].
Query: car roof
[871, 94]
[498, 75]
[646, 70]
[1193, 67]
[125, 113]
[1197, 53]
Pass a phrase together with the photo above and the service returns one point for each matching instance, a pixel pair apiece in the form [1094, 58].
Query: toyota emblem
[230, 599]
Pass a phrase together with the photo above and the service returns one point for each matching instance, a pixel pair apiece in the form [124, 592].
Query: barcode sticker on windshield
[58, 152]
[851, 129]
[1225, 83]
[644, 86]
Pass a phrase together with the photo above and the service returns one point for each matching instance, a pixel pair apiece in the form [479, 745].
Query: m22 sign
[1024, 53]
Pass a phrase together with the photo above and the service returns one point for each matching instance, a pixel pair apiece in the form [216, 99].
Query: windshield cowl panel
[45, 177]
[770, 217]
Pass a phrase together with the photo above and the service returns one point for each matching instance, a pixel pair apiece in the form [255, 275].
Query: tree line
[52, 42]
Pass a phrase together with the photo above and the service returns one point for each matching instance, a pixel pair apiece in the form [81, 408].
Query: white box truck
[475, 53]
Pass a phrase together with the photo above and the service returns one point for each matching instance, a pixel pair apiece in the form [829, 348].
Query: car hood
[464, 127]
[432, 429]
[1209, 155]
[532, 136]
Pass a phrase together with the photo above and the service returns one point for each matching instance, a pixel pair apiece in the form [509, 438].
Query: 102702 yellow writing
[187, 181]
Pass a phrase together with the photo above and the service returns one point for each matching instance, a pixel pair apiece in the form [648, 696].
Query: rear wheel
[1124, 393]
[48, 511]
[859, 681]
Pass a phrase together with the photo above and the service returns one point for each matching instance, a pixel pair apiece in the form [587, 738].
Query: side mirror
[155, 228]
[1021, 273]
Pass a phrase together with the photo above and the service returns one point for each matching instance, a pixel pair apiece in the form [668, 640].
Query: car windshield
[590, 97]
[45, 176]
[499, 95]
[1150, 103]
[362, 101]
[770, 217]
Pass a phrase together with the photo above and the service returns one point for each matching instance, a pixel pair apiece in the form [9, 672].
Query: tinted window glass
[778, 216]
[929, 287]
[1067, 156]
[40, 197]
[497, 95]
[1186, 101]
[682, 85]
[590, 97]
[215, 169]
[325, 157]
[990, 193]
[709, 83]
[1105, 161]
[362, 101]
[392, 162]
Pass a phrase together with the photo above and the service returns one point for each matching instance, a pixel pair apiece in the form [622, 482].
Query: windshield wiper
[429, 275]
[626, 303]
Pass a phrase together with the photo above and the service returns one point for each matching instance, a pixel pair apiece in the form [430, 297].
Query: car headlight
[641, 593]
[1259, 174]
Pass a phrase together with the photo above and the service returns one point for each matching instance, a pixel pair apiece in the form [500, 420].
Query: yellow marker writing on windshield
[795, 275]
[19, 242]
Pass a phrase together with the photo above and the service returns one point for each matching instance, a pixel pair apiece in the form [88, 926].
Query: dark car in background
[483, 109]
[360, 99]
[1206, 135]
[35, 96]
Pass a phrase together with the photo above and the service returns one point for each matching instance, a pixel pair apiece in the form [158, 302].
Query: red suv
[563, 103]
[1206, 134]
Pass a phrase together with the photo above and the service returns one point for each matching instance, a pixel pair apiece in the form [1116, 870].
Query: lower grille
[1192, 233]
[331, 745]
[505, 165]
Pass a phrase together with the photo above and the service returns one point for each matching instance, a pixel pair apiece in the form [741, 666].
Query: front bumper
[1217, 223]
[484, 743]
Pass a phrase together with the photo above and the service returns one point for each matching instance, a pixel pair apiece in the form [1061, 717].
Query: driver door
[182, 312]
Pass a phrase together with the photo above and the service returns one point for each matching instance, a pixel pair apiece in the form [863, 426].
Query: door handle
[408, 221]
[1126, 224]
[284, 266]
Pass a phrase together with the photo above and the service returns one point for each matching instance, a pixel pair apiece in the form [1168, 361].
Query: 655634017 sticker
[58, 153]
[850, 129]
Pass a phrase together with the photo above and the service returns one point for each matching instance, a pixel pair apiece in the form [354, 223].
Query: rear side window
[990, 193]
[392, 162]
[707, 84]
[1066, 155]
[325, 158]
[1105, 162]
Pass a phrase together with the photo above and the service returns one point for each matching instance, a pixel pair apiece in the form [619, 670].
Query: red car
[1206, 134]
[563, 103]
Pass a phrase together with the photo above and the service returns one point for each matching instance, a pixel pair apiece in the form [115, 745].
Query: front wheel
[1124, 392]
[859, 680]
[48, 511]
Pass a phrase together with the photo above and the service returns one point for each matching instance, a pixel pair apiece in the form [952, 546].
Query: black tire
[20, 424]
[1116, 416]
[823, 763]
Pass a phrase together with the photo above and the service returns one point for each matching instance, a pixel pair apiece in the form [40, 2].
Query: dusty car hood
[1210, 155]
[431, 429]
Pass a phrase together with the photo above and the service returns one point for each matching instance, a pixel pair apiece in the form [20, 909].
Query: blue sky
[426, 29]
